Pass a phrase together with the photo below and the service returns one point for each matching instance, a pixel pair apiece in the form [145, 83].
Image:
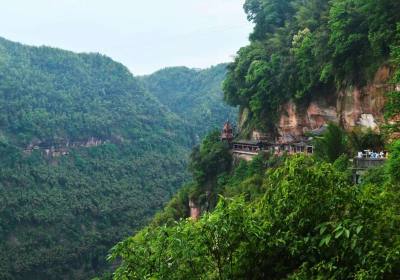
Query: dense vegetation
[209, 162]
[277, 218]
[60, 215]
[194, 95]
[392, 108]
[293, 218]
[290, 217]
[49, 94]
[332, 144]
[302, 48]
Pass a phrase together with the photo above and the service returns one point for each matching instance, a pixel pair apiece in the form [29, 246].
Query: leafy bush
[309, 223]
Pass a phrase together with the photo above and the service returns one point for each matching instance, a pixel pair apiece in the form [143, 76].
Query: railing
[308, 150]
[245, 152]
[365, 163]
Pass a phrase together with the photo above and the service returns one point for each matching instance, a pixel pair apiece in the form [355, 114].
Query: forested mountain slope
[194, 95]
[291, 216]
[87, 156]
[318, 52]
[49, 94]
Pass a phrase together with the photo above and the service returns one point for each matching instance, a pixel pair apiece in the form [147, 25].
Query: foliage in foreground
[308, 222]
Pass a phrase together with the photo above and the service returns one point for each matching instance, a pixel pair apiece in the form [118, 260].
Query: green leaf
[353, 243]
[322, 230]
[325, 240]
[338, 228]
[338, 234]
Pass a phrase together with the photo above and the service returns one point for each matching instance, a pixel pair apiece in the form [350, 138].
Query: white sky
[145, 35]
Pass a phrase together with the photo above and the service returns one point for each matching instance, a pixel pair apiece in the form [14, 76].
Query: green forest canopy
[302, 48]
[60, 216]
[297, 217]
[194, 95]
[300, 219]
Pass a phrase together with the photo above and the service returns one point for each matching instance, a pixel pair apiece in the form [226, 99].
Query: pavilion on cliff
[227, 132]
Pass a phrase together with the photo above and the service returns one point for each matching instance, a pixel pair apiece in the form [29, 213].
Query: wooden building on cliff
[227, 132]
[247, 149]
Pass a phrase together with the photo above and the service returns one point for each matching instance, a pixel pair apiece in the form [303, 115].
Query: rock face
[62, 147]
[351, 107]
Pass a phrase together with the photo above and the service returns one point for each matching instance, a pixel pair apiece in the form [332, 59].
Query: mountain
[87, 157]
[194, 95]
[293, 215]
[313, 62]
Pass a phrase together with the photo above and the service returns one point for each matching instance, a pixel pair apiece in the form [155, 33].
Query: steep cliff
[310, 62]
[350, 107]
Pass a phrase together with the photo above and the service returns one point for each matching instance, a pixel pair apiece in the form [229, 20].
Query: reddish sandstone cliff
[351, 107]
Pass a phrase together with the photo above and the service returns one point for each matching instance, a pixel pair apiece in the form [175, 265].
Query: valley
[88, 156]
[280, 163]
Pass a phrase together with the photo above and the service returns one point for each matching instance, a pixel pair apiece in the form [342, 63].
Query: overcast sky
[145, 35]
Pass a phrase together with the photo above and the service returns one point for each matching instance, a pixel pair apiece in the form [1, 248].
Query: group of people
[372, 154]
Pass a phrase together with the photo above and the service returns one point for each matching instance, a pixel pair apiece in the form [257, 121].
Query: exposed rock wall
[61, 148]
[351, 107]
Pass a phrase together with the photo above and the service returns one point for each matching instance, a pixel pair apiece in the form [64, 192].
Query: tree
[308, 223]
[394, 162]
[302, 48]
[363, 140]
[392, 107]
[349, 41]
[331, 145]
[210, 159]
